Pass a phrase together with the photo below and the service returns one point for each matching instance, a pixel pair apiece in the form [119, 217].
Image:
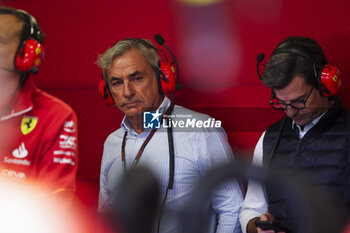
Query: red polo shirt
[38, 140]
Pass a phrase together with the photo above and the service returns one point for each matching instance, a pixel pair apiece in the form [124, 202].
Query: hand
[267, 217]
[251, 228]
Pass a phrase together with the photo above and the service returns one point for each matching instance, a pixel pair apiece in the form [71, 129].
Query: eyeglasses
[296, 104]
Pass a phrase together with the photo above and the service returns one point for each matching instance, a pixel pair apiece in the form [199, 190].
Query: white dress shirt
[196, 151]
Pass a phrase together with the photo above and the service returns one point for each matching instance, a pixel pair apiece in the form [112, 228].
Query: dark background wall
[216, 45]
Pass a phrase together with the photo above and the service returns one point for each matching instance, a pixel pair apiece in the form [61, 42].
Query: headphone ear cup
[104, 93]
[29, 56]
[330, 80]
[168, 82]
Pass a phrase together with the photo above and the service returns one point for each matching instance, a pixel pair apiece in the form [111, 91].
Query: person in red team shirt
[38, 132]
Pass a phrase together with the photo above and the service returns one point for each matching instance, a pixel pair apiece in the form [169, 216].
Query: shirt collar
[162, 108]
[22, 101]
[311, 124]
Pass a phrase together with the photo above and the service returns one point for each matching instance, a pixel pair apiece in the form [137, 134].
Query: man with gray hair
[179, 157]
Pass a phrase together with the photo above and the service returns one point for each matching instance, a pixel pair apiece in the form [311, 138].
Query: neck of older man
[137, 121]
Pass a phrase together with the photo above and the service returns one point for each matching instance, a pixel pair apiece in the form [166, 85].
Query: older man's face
[133, 84]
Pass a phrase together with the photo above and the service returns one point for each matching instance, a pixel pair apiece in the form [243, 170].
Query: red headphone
[30, 51]
[330, 80]
[165, 73]
[328, 76]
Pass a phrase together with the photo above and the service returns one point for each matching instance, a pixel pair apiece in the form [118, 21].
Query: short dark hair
[294, 56]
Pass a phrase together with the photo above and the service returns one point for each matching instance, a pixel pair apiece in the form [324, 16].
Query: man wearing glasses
[310, 138]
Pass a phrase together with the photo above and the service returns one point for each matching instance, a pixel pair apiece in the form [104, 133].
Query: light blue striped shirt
[196, 151]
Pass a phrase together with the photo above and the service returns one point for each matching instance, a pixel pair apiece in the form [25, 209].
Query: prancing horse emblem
[28, 124]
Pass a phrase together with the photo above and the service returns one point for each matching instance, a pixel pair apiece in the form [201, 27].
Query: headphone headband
[143, 42]
[327, 76]
[302, 51]
[34, 30]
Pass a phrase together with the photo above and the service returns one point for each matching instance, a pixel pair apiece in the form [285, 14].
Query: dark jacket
[321, 156]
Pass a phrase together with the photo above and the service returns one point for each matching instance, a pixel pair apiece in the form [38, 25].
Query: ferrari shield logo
[28, 124]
